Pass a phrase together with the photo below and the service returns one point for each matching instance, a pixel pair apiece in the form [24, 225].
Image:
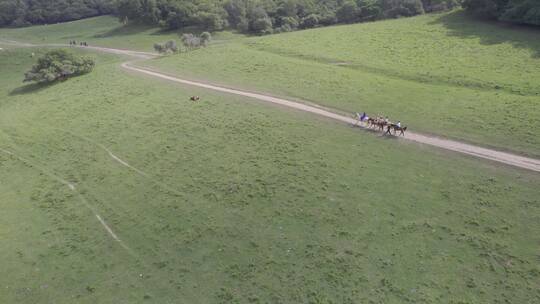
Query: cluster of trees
[254, 16]
[26, 12]
[58, 65]
[168, 47]
[268, 16]
[517, 11]
[189, 42]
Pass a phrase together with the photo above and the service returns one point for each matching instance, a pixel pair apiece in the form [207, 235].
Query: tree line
[516, 11]
[254, 16]
[27, 12]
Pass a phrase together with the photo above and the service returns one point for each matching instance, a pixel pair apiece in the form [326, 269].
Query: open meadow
[229, 200]
[443, 74]
[116, 188]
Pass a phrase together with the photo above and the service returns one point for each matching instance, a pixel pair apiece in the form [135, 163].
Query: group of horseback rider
[74, 43]
[381, 123]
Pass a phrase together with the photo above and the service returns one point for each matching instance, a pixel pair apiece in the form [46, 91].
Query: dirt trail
[452, 145]
[498, 156]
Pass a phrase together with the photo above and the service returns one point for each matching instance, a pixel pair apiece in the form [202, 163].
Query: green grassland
[444, 74]
[104, 31]
[441, 74]
[242, 202]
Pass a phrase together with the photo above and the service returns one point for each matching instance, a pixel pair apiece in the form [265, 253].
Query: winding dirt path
[447, 144]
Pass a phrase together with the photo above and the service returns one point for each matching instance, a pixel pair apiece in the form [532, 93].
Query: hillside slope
[445, 73]
[229, 200]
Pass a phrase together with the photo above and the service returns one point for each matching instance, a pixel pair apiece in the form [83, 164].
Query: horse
[380, 124]
[194, 98]
[371, 122]
[395, 128]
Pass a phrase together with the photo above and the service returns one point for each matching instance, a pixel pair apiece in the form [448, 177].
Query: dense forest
[27, 12]
[517, 11]
[270, 16]
[255, 16]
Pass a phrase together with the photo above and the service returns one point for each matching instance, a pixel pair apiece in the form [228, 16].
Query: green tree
[206, 37]
[311, 20]
[348, 12]
[522, 11]
[26, 12]
[58, 65]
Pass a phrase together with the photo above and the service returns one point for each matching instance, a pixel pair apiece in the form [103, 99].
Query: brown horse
[395, 128]
[194, 98]
[378, 123]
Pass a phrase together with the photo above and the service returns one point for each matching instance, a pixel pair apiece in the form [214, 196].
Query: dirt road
[452, 145]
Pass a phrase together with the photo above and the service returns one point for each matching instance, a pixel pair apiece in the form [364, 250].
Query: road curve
[498, 156]
[447, 144]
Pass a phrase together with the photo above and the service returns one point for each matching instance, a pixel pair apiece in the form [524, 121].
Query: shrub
[58, 65]
[191, 41]
[168, 47]
[205, 38]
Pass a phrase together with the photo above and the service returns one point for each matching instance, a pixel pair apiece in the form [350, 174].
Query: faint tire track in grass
[121, 161]
[74, 189]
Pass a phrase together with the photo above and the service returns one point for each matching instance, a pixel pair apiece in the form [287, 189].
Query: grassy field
[240, 202]
[443, 74]
[104, 31]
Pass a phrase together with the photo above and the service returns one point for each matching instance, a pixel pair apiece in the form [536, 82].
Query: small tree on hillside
[58, 65]
[168, 47]
[205, 38]
[191, 41]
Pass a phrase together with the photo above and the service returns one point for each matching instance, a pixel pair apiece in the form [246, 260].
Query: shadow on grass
[466, 26]
[29, 88]
[124, 30]
[134, 29]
